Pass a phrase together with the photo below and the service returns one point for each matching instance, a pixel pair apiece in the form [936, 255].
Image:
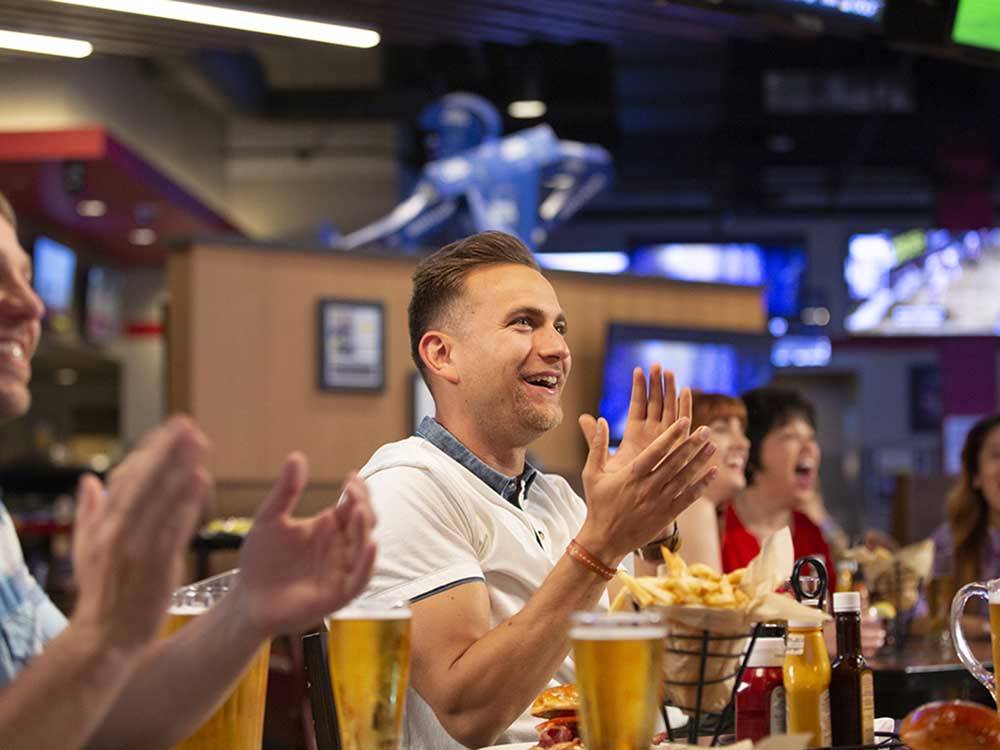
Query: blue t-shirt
[28, 619]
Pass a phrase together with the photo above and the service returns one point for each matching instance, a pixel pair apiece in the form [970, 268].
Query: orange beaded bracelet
[579, 553]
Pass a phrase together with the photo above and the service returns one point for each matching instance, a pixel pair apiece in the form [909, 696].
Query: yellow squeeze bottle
[806, 677]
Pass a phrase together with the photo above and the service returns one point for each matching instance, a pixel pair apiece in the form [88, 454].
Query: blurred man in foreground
[102, 679]
[492, 555]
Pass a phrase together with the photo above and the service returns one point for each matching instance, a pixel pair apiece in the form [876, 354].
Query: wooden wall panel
[242, 333]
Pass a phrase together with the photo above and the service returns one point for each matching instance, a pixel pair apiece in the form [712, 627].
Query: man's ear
[437, 352]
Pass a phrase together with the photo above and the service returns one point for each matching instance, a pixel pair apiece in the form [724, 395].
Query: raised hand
[627, 508]
[649, 415]
[294, 571]
[129, 539]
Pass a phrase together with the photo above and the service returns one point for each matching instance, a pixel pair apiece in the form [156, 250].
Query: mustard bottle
[806, 677]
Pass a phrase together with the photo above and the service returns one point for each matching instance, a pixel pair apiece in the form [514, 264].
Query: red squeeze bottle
[760, 697]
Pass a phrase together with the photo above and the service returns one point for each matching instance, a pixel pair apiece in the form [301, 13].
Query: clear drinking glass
[238, 724]
[991, 592]
[619, 675]
[368, 647]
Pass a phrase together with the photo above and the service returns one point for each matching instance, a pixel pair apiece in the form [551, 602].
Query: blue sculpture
[525, 183]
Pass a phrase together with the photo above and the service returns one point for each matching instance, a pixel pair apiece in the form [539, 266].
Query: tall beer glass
[619, 675]
[368, 645]
[991, 592]
[238, 724]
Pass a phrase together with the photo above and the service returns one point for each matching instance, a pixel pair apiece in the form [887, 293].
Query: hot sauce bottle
[852, 699]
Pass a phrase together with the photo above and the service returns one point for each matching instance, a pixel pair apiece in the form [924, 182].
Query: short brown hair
[439, 277]
[7, 211]
[707, 407]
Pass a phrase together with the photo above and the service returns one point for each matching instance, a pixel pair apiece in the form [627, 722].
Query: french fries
[680, 584]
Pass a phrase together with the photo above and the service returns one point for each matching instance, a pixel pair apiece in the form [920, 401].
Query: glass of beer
[991, 592]
[368, 646]
[619, 675]
[238, 724]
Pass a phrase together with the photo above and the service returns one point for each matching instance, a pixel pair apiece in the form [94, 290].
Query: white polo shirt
[440, 525]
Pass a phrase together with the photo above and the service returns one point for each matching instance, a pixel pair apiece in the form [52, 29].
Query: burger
[558, 706]
[955, 725]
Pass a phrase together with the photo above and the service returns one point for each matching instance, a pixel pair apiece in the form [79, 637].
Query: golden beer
[238, 724]
[368, 647]
[619, 675]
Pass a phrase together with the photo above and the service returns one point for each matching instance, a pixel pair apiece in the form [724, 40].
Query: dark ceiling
[708, 111]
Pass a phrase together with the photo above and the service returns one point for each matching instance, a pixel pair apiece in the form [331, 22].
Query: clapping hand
[129, 538]
[649, 415]
[294, 571]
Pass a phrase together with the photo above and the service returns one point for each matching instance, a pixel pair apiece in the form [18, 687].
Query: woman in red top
[782, 475]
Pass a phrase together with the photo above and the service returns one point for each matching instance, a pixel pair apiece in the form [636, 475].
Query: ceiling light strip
[44, 45]
[242, 20]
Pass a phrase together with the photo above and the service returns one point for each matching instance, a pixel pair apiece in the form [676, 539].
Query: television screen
[54, 273]
[716, 362]
[924, 282]
[866, 10]
[977, 24]
[103, 320]
[780, 269]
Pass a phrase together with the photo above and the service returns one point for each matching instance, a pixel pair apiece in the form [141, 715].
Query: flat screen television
[977, 24]
[719, 362]
[103, 304]
[924, 282]
[778, 267]
[54, 275]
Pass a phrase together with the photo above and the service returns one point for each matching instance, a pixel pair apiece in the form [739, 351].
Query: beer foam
[187, 610]
[995, 597]
[617, 633]
[373, 613]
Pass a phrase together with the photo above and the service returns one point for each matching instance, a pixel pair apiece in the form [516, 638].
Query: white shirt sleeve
[426, 542]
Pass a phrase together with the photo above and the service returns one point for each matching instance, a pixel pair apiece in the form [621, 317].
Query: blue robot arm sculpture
[525, 183]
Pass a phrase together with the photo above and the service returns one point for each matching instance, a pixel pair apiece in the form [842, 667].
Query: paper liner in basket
[686, 624]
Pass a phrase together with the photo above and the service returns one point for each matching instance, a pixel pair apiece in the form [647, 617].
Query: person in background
[103, 679]
[782, 474]
[967, 544]
[493, 555]
[726, 418]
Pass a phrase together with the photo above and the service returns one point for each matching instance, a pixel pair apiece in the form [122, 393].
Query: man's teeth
[548, 381]
[11, 349]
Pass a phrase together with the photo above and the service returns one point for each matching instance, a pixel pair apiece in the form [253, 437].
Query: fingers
[669, 398]
[684, 404]
[597, 457]
[637, 404]
[588, 425]
[684, 463]
[692, 492]
[89, 502]
[287, 490]
[655, 453]
[654, 408]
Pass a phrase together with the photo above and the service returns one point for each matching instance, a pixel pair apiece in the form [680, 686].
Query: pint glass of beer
[238, 724]
[619, 675]
[991, 592]
[368, 646]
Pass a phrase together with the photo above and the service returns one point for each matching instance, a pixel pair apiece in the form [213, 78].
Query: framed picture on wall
[351, 345]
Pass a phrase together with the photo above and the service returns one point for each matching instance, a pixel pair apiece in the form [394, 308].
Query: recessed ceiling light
[44, 45]
[241, 20]
[142, 236]
[92, 209]
[526, 109]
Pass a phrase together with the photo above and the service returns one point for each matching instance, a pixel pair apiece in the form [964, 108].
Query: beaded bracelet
[579, 553]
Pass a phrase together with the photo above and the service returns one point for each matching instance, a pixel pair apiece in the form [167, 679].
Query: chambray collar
[509, 488]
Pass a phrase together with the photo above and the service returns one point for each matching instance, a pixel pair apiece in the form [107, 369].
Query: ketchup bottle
[760, 697]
